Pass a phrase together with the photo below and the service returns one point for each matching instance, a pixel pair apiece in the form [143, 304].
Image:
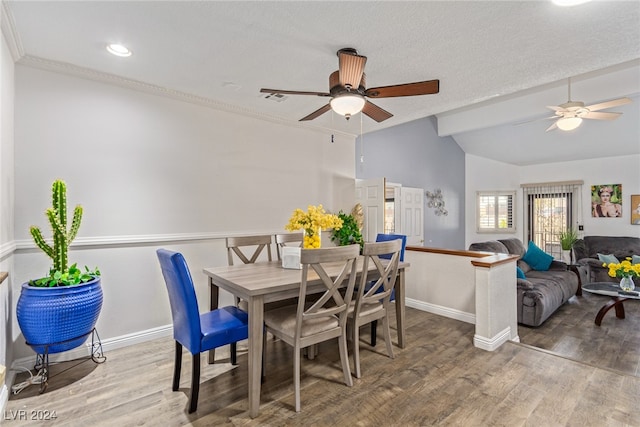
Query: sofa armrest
[558, 265]
[524, 284]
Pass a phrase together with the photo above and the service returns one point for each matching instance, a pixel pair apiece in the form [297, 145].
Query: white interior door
[412, 211]
[370, 194]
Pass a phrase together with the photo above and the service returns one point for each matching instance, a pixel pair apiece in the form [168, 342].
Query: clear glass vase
[626, 284]
[312, 238]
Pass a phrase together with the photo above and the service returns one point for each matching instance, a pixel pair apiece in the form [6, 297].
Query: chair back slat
[381, 289]
[386, 237]
[331, 302]
[182, 298]
[235, 245]
[284, 239]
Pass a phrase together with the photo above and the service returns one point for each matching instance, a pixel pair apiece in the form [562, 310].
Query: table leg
[615, 302]
[214, 293]
[400, 308]
[256, 330]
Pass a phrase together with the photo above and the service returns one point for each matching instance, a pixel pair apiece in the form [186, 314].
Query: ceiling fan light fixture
[568, 123]
[347, 104]
[118, 50]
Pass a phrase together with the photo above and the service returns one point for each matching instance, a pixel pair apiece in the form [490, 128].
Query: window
[496, 211]
[551, 208]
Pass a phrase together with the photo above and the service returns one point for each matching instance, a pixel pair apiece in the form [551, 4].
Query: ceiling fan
[347, 90]
[570, 114]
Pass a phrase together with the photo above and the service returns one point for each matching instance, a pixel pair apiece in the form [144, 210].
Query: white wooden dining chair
[372, 301]
[315, 320]
[287, 239]
[241, 246]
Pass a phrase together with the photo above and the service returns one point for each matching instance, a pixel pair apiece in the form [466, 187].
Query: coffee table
[618, 296]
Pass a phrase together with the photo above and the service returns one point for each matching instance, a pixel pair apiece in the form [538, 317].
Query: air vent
[278, 97]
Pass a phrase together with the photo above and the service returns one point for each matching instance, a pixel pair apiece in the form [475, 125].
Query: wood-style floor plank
[438, 379]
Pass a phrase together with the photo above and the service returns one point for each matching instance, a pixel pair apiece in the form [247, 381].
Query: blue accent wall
[412, 154]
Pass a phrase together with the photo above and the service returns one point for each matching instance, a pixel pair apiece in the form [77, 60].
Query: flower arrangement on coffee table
[625, 271]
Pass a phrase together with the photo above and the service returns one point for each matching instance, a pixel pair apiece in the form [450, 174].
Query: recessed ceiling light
[569, 2]
[118, 50]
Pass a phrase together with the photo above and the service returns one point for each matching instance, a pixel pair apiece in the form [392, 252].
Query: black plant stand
[42, 359]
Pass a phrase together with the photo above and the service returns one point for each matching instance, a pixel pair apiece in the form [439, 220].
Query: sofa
[585, 252]
[541, 292]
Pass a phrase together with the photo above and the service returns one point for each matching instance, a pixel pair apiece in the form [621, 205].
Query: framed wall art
[635, 209]
[606, 201]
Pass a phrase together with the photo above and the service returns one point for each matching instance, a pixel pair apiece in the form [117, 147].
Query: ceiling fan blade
[535, 120]
[598, 115]
[552, 127]
[556, 108]
[375, 112]
[428, 87]
[320, 111]
[608, 104]
[293, 92]
[351, 67]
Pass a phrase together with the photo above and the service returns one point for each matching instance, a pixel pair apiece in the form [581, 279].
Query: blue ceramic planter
[60, 318]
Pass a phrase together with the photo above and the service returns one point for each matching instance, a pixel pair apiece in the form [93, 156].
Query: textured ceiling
[483, 52]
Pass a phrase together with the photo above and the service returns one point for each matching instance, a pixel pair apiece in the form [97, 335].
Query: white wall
[623, 170]
[156, 172]
[485, 174]
[6, 204]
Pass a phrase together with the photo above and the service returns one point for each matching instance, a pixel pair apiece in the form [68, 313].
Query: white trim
[441, 311]
[10, 34]
[85, 350]
[87, 73]
[493, 343]
[141, 239]
[7, 249]
[4, 398]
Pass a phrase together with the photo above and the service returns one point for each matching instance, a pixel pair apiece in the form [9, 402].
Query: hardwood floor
[572, 333]
[439, 379]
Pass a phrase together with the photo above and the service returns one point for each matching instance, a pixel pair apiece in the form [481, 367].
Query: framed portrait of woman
[635, 209]
[606, 201]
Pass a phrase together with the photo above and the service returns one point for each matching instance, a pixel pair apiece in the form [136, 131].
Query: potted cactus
[58, 312]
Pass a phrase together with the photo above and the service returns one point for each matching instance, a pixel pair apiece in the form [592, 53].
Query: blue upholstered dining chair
[197, 332]
[385, 238]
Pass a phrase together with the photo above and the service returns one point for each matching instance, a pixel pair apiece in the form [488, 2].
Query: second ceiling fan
[347, 90]
[570, 114]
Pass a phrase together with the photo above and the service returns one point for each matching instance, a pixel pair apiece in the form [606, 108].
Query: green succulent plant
[61, 274]
[567, 238]
[349, 233]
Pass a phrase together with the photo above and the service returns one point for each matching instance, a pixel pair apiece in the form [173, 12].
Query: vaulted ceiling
[499, 63]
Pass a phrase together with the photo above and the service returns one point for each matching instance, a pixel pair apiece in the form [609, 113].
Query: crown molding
[140, 86]
[10, 34]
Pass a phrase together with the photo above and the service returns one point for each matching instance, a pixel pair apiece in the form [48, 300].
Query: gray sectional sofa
[585, 252]
[541, 292]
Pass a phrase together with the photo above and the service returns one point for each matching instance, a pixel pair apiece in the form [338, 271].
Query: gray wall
[412, 154]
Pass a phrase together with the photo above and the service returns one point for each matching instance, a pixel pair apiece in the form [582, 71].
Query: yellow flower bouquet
[312, 222]
[625, 271]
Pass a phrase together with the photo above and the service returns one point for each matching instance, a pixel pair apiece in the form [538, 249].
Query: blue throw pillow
[635, 259]
[537, 258]
[608, 259]
[520, 273]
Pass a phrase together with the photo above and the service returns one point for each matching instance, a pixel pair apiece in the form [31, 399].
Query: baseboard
[4, 398]
[109, 344]
[493, 343]
[441, 311]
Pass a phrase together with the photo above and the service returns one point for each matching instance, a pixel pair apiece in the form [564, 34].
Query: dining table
[264, 282]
